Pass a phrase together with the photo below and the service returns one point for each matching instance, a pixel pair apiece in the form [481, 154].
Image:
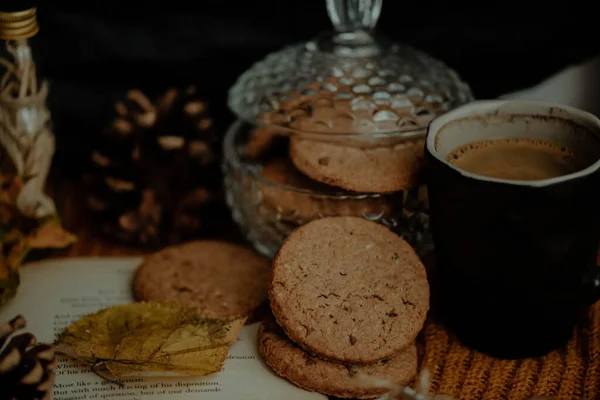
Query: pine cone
[155, 175]
[26, 368]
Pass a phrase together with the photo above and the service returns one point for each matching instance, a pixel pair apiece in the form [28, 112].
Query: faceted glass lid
[348, 81]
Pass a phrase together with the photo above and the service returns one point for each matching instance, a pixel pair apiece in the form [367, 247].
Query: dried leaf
[16, 245]
[7, 214]
[10, 187]
[17, 254]
[134, 339]
[50, 235]
[20, 234]
[9, 282]
[13, 253]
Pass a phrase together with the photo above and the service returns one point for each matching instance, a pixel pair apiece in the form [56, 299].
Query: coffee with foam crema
[520, 159]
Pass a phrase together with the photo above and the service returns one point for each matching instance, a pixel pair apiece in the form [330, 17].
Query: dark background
[92, 53]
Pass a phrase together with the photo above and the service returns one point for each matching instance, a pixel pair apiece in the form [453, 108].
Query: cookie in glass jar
[382, 169]
[296, 197]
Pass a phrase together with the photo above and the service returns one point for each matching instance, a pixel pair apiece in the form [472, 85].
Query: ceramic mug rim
[529, 107]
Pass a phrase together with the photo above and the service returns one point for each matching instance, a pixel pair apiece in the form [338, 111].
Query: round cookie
[369, 170]
[219, 279]
[333, 379]
[349, 290]
[295, 197]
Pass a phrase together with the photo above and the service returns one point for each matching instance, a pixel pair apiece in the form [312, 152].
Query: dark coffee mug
[516, 260]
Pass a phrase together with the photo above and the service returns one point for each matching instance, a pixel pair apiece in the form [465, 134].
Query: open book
[55, 293]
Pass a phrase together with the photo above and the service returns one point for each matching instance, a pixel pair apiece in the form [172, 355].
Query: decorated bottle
[28, 217]
[26, 138]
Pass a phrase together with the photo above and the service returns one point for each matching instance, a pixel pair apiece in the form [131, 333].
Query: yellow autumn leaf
[50, 235]
[137, 338]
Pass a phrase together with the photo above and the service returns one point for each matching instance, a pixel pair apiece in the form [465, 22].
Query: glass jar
[335, 126]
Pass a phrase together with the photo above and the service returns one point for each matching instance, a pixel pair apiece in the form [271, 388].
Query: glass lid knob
[354, 22]
[354, 15]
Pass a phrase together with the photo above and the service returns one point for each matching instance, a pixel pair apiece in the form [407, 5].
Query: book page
[55, 293]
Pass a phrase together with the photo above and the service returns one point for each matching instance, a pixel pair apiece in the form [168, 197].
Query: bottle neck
[22, 51]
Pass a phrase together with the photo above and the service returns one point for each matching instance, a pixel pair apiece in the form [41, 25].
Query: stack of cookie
[348, 298]
[326, 169]
[300, 180]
